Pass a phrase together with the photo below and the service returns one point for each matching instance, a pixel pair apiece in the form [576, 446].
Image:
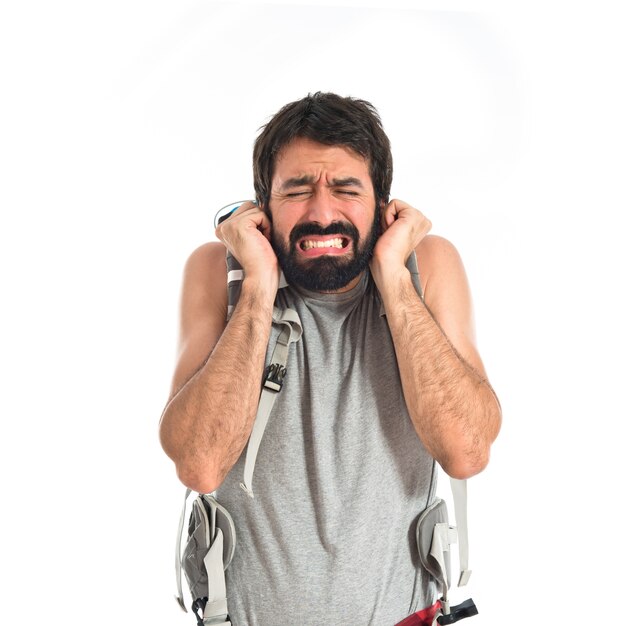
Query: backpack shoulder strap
[411, 265]
[458, 487]
[291, 331]
[272, 385]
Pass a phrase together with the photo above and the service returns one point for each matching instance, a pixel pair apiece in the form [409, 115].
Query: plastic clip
[458, 612]
[198, 607]
[274, 377]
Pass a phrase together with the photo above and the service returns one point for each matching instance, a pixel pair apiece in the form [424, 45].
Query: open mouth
[329, 243]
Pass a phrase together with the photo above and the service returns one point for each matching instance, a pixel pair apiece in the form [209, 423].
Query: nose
[321, 207]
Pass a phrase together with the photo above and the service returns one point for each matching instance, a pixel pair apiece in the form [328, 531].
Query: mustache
[313, 228]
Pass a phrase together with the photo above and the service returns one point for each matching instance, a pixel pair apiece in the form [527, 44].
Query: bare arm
[208, 418]
[454, 409]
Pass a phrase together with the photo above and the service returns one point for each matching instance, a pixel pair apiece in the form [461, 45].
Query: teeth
[329, 243]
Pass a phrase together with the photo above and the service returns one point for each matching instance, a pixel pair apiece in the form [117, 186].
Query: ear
[382, 205]
[265, 207]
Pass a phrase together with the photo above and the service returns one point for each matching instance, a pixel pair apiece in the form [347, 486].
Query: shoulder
[205, 268]
[447, 295]
[205, 281]
[210, 256]
[438, 260]
[203, 308]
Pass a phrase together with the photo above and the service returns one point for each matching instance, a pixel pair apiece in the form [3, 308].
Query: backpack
[210, 540]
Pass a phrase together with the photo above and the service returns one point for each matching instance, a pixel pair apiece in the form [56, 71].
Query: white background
[125, 125]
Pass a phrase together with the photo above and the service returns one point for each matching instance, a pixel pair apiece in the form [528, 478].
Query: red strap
[424, 617]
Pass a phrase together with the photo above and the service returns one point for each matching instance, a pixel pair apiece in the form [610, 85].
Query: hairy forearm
[206, 424]
[453, 408]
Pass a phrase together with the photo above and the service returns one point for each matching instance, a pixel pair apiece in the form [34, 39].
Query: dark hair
[328, 119]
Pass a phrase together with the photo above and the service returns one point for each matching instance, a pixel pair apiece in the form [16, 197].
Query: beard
[326, 272]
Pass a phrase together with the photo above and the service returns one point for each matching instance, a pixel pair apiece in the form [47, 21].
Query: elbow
[200, 481]
[467, 457]
[463, 465]
[470, 455]
[195, 473]
[463, 445]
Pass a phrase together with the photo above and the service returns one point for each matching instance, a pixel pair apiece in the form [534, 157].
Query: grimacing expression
[323, 211]
[325, 273]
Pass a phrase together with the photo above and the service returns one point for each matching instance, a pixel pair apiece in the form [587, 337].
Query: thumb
[388, 215]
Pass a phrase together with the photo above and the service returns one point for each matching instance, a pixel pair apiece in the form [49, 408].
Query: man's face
[324, 218]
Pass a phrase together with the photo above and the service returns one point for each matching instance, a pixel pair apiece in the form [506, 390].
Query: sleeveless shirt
[340, 479]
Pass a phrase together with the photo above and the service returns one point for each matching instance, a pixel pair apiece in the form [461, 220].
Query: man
[380, 384]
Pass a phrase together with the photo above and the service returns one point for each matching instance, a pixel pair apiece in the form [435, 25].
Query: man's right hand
[246, 234]
[205, 426]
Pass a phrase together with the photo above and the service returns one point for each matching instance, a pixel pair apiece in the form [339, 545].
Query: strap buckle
[458, 612]
[274, 377]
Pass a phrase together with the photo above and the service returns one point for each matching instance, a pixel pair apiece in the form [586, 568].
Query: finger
[237, 217]
[264, 225]
[389, 214]
[248, 205]
[247, 213]
[256, 218]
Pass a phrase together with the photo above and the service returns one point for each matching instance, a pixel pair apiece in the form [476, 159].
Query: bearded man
[382, 385]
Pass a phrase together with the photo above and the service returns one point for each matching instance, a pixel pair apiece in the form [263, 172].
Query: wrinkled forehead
[307, 160]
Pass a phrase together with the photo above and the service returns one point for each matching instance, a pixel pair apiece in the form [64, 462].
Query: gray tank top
[340, 479]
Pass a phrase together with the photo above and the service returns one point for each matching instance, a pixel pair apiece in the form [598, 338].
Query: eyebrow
[296, 181]
[299, 181]
[349, 181]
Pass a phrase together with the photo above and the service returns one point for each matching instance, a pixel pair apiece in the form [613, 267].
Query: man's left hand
[403, 227]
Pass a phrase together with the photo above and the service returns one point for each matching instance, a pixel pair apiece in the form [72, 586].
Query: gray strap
[415, 275]
[216, 609]
[272, 385]
[273, 380]
[442, 538]
[233, 280]
[181, 526]
[266, 403]
[459, 487]
[459, 494]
